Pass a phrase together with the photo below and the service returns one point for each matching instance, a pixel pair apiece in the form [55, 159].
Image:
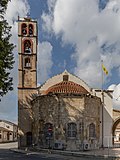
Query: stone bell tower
[27, 76]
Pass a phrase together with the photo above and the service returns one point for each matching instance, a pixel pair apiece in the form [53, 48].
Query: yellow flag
[104, 69]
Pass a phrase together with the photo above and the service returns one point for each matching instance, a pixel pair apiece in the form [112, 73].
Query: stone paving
[102, 153]
[106, 152]
[113, 152]
[8, 145]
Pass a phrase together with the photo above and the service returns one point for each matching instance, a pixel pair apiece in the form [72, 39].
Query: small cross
[28, 15]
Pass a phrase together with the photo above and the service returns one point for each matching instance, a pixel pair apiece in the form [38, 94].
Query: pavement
[9, 145]
[101, 153]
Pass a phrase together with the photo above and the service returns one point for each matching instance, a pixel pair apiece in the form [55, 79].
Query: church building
[62, 113]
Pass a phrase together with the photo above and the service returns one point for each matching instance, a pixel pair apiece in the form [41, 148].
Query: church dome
[66, 87]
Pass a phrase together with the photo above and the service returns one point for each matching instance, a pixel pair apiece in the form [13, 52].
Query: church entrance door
[29, 138]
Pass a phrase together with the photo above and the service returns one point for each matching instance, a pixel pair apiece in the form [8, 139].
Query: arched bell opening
[24, 29]
[27, 62]
[31, 29]
[27, 47]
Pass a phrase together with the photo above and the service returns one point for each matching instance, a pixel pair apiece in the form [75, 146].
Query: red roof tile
[66, 87]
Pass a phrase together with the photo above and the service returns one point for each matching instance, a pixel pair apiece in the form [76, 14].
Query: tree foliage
[6, 48]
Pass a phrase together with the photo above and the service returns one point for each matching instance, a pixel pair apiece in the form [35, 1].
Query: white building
[8, 131]
[106, 117]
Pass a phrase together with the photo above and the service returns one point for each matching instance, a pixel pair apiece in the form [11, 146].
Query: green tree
[6, 54]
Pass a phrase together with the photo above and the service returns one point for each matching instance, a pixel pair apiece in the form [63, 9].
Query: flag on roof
[104, 69]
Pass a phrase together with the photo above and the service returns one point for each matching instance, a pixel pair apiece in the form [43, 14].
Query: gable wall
[59, 78]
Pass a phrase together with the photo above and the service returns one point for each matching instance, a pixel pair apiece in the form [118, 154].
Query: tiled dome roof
[66, 87]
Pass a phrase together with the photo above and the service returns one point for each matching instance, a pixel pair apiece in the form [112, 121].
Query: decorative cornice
[66, 87]
[29, 68]
[27, 36]
[26, 54]
[26, 88]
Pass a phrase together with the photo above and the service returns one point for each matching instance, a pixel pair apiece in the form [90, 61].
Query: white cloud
[116, 95]
[8, 104]
[15, 9]
[48, 18]
[80, 23]
[44, 60]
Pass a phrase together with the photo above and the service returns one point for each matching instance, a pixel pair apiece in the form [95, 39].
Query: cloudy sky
[74, 35]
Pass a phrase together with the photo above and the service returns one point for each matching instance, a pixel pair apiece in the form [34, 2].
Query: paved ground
[9, 151]
[8, 145]
[101, 153]
[106, 151]
[6, 154]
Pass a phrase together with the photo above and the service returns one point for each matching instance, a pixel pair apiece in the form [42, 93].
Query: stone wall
[60, 110]
[25, 115]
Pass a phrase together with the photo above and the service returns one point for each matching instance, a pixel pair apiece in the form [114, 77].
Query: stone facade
[8, 131]
[61, 110]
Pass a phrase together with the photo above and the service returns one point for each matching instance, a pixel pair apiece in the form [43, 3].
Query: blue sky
[73, 35]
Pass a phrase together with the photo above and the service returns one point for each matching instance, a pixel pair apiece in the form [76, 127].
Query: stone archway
[115, 124]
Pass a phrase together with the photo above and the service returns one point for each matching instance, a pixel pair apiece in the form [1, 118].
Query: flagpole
[102, 74]
[102, 107]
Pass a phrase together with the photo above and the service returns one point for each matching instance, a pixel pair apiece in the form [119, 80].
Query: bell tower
[27, 50]
[27, 77]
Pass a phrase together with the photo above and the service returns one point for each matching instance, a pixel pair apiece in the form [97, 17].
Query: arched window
[27, 62]
[27, 47]
[24, 29]
[72, 130]
[30, 29]
[48, 130]
[92, 130]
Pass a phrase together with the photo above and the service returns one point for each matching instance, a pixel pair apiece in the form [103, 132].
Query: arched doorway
[116, 133]
[29, 138]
